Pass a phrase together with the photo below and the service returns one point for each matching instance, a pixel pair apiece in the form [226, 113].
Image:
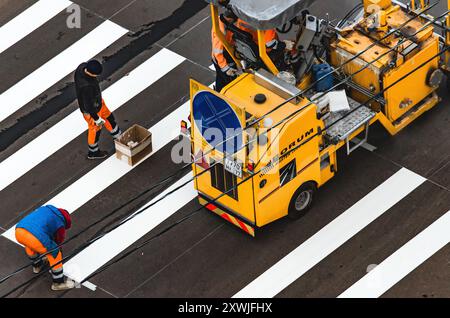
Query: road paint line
[73, 125]
[403, 261]
[332, 236]
[57, 68]
[112, 169]
[90, 286]
[112, 244]
[29, 20]
[212, 68]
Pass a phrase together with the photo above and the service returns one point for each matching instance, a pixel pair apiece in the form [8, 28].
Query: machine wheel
[302, 200]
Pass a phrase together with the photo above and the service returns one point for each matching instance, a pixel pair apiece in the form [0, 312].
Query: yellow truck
[266, 143]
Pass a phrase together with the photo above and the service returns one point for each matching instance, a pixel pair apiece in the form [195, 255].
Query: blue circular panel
[218, 122]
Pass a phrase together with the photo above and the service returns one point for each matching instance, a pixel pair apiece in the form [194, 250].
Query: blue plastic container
[319, 71]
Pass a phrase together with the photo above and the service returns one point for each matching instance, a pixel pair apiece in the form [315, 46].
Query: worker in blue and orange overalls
[93, 107]
[41, 233]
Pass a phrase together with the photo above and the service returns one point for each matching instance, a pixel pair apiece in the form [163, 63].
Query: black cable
[348, 77]
[21, 269]
[284, 120]
[188, 165]
[234, 187]
[191, 214]
[358, 55]
[312, 85]
[285, 29]
[401, 42]
[344, 20]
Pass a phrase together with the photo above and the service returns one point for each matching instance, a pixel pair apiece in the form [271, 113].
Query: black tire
[302, 200]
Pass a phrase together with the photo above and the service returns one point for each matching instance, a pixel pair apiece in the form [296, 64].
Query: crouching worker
[41, 232]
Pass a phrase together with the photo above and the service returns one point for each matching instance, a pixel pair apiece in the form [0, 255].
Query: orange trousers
[34, 248]
[104, 113]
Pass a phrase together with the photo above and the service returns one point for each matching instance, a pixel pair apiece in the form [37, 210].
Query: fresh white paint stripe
[332, 236]
[29, 20]
[403, 261]
[90, 286]
[112, 169]
[73, 125]
[112, 244]
[57, 68]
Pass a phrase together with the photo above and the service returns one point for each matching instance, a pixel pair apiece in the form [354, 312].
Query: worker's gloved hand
[99, 122]
[232, 72]
[289, 45]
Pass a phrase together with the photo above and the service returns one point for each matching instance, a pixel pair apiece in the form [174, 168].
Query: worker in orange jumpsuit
[275, 48]
[225, 67]
[270, 36]
[41, 233]
[93, 107]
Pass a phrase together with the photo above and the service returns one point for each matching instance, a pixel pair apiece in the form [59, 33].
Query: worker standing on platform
[270, 36]
[41, 232]
[93, 107]
[274, 47]
[225, 67]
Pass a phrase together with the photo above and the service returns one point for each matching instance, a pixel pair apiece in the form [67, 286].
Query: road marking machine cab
[265, 144]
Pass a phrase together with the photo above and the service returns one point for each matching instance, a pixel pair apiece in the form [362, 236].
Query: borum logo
[217, 122]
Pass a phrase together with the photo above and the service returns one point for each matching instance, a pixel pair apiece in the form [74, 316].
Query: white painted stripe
[403, 261]
[112, 169]
[212, 68]
[112, 244]
[332, 236]
[29, 20]
[57, 68]
[90, 286]
[73, 125]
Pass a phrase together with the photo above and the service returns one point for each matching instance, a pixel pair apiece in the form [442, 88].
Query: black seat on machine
[245, 48]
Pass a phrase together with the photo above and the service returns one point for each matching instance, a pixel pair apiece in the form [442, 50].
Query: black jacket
[88, 92]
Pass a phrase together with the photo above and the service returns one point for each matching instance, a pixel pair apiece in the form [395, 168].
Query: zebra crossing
[403, 261]
[73, 125]
[58, 67]
[263, 274]
[329, 238]
[29, 20]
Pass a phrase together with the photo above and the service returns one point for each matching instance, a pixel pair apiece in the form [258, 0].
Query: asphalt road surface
[150, 50]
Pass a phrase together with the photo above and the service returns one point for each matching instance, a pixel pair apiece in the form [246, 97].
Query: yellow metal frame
[393, 129]
[220, 35]
[263, 53]
[413, 4]
[261, 42]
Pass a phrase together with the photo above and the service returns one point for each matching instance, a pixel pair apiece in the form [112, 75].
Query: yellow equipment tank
[415, 93]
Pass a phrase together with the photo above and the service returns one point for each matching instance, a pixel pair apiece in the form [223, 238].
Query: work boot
[68, 284]
[37, 268]
[97, 155]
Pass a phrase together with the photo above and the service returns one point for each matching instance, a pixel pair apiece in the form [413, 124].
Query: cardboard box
[134, 145]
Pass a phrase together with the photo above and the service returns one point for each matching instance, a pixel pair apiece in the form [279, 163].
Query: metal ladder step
[343, 124]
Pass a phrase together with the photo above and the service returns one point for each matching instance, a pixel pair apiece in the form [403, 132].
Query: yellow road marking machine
[265, 144]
